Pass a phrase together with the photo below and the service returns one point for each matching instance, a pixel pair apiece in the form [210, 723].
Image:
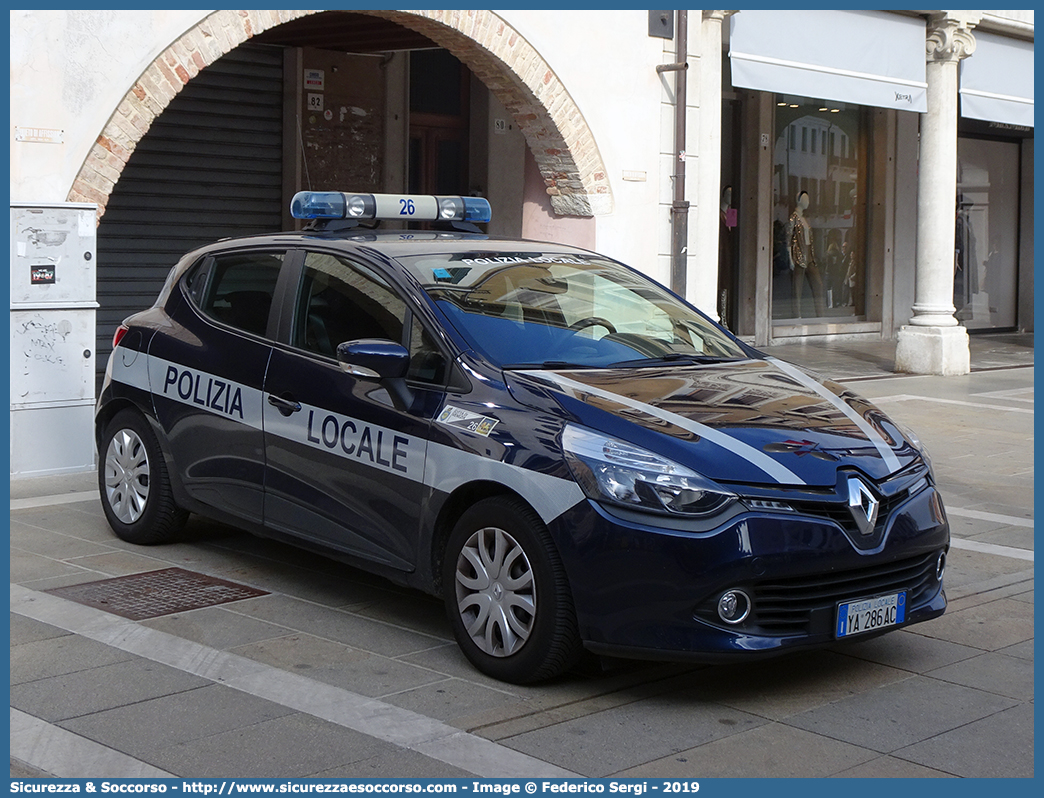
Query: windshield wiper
[550, 365]
[672, 357]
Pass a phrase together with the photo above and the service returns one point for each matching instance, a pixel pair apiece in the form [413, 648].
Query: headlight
[622, 473]
[916, 442]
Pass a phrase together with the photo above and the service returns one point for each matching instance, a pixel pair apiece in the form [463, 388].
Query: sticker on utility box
[42, 275]
[465, 419]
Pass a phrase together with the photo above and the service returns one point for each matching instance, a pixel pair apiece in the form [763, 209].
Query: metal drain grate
[156, 593]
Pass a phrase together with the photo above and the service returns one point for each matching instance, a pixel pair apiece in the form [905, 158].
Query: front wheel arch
[449, 514]
[507, 593]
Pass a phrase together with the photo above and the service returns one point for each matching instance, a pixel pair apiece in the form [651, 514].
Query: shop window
[985, 275]
[819, 217]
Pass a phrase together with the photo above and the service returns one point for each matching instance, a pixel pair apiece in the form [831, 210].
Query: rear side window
[237, 289]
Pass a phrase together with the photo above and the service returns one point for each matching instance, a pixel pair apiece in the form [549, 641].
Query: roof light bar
[411, 207]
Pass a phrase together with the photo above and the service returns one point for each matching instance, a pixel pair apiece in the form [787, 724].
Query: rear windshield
[533, 309]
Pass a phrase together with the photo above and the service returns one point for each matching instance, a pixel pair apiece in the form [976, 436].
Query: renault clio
[567, 453]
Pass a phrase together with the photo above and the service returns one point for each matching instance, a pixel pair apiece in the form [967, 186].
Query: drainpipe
[680, 207]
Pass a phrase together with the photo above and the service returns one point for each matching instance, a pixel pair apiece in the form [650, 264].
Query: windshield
[548, 310]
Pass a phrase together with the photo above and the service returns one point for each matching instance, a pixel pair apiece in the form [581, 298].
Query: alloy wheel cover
[127, 476]
[496, 592]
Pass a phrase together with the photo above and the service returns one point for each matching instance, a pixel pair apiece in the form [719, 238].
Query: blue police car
[567, 453]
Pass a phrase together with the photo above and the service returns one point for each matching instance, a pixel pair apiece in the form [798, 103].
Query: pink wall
[540, 223]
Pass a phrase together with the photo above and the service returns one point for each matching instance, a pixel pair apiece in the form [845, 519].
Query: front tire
[132, 477]
[507, 595]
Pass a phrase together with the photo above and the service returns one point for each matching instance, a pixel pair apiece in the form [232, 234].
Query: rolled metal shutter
[209, 167]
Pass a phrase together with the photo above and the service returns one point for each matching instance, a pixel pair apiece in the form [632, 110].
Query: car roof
[399, 243]
[391, 244]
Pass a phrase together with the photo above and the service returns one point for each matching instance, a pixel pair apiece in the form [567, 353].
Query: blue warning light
[408, 207]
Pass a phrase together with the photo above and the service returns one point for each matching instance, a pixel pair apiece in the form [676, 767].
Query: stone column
[702, 277]
[933, 342]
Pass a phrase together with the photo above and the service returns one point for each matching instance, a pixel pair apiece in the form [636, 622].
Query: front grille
[841, 514]
[805, 604]
[786, 605]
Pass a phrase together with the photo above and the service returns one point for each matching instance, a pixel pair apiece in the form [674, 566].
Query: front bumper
[645, 591]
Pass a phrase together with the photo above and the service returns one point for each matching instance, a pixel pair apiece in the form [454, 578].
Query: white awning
[863, 57]
[997, 80]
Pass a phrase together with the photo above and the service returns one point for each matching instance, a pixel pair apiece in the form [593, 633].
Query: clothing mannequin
[802, 252]
[803, 257]
[857, 258]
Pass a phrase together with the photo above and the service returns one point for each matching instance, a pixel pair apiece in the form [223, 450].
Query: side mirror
[375, 358]
[382, 360]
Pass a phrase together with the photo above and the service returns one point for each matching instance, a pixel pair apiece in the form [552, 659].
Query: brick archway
[514, 72]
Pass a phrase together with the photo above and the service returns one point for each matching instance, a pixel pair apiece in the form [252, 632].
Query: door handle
[284, 405]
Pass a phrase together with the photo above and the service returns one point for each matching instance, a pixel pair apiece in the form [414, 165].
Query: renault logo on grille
[863, 505]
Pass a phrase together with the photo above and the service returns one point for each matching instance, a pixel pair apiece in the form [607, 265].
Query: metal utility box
[53, 308]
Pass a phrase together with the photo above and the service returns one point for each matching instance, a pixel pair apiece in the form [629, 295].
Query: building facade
[794, 173]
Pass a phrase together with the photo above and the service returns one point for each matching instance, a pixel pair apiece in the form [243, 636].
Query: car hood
[751, 421]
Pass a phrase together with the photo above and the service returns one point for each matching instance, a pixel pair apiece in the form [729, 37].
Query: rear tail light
[121, 331]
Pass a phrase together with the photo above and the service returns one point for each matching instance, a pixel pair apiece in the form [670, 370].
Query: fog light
[940, 565]
[733, 606]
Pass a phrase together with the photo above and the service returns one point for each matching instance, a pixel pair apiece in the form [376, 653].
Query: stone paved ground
[337, 673]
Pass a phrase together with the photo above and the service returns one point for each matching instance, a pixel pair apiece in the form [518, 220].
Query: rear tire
[507, 595]
[135, 489]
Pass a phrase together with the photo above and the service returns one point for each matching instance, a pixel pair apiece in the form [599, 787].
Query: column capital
[949, 35]
[719, 16]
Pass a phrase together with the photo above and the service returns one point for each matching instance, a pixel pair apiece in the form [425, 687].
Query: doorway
[439, 120]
